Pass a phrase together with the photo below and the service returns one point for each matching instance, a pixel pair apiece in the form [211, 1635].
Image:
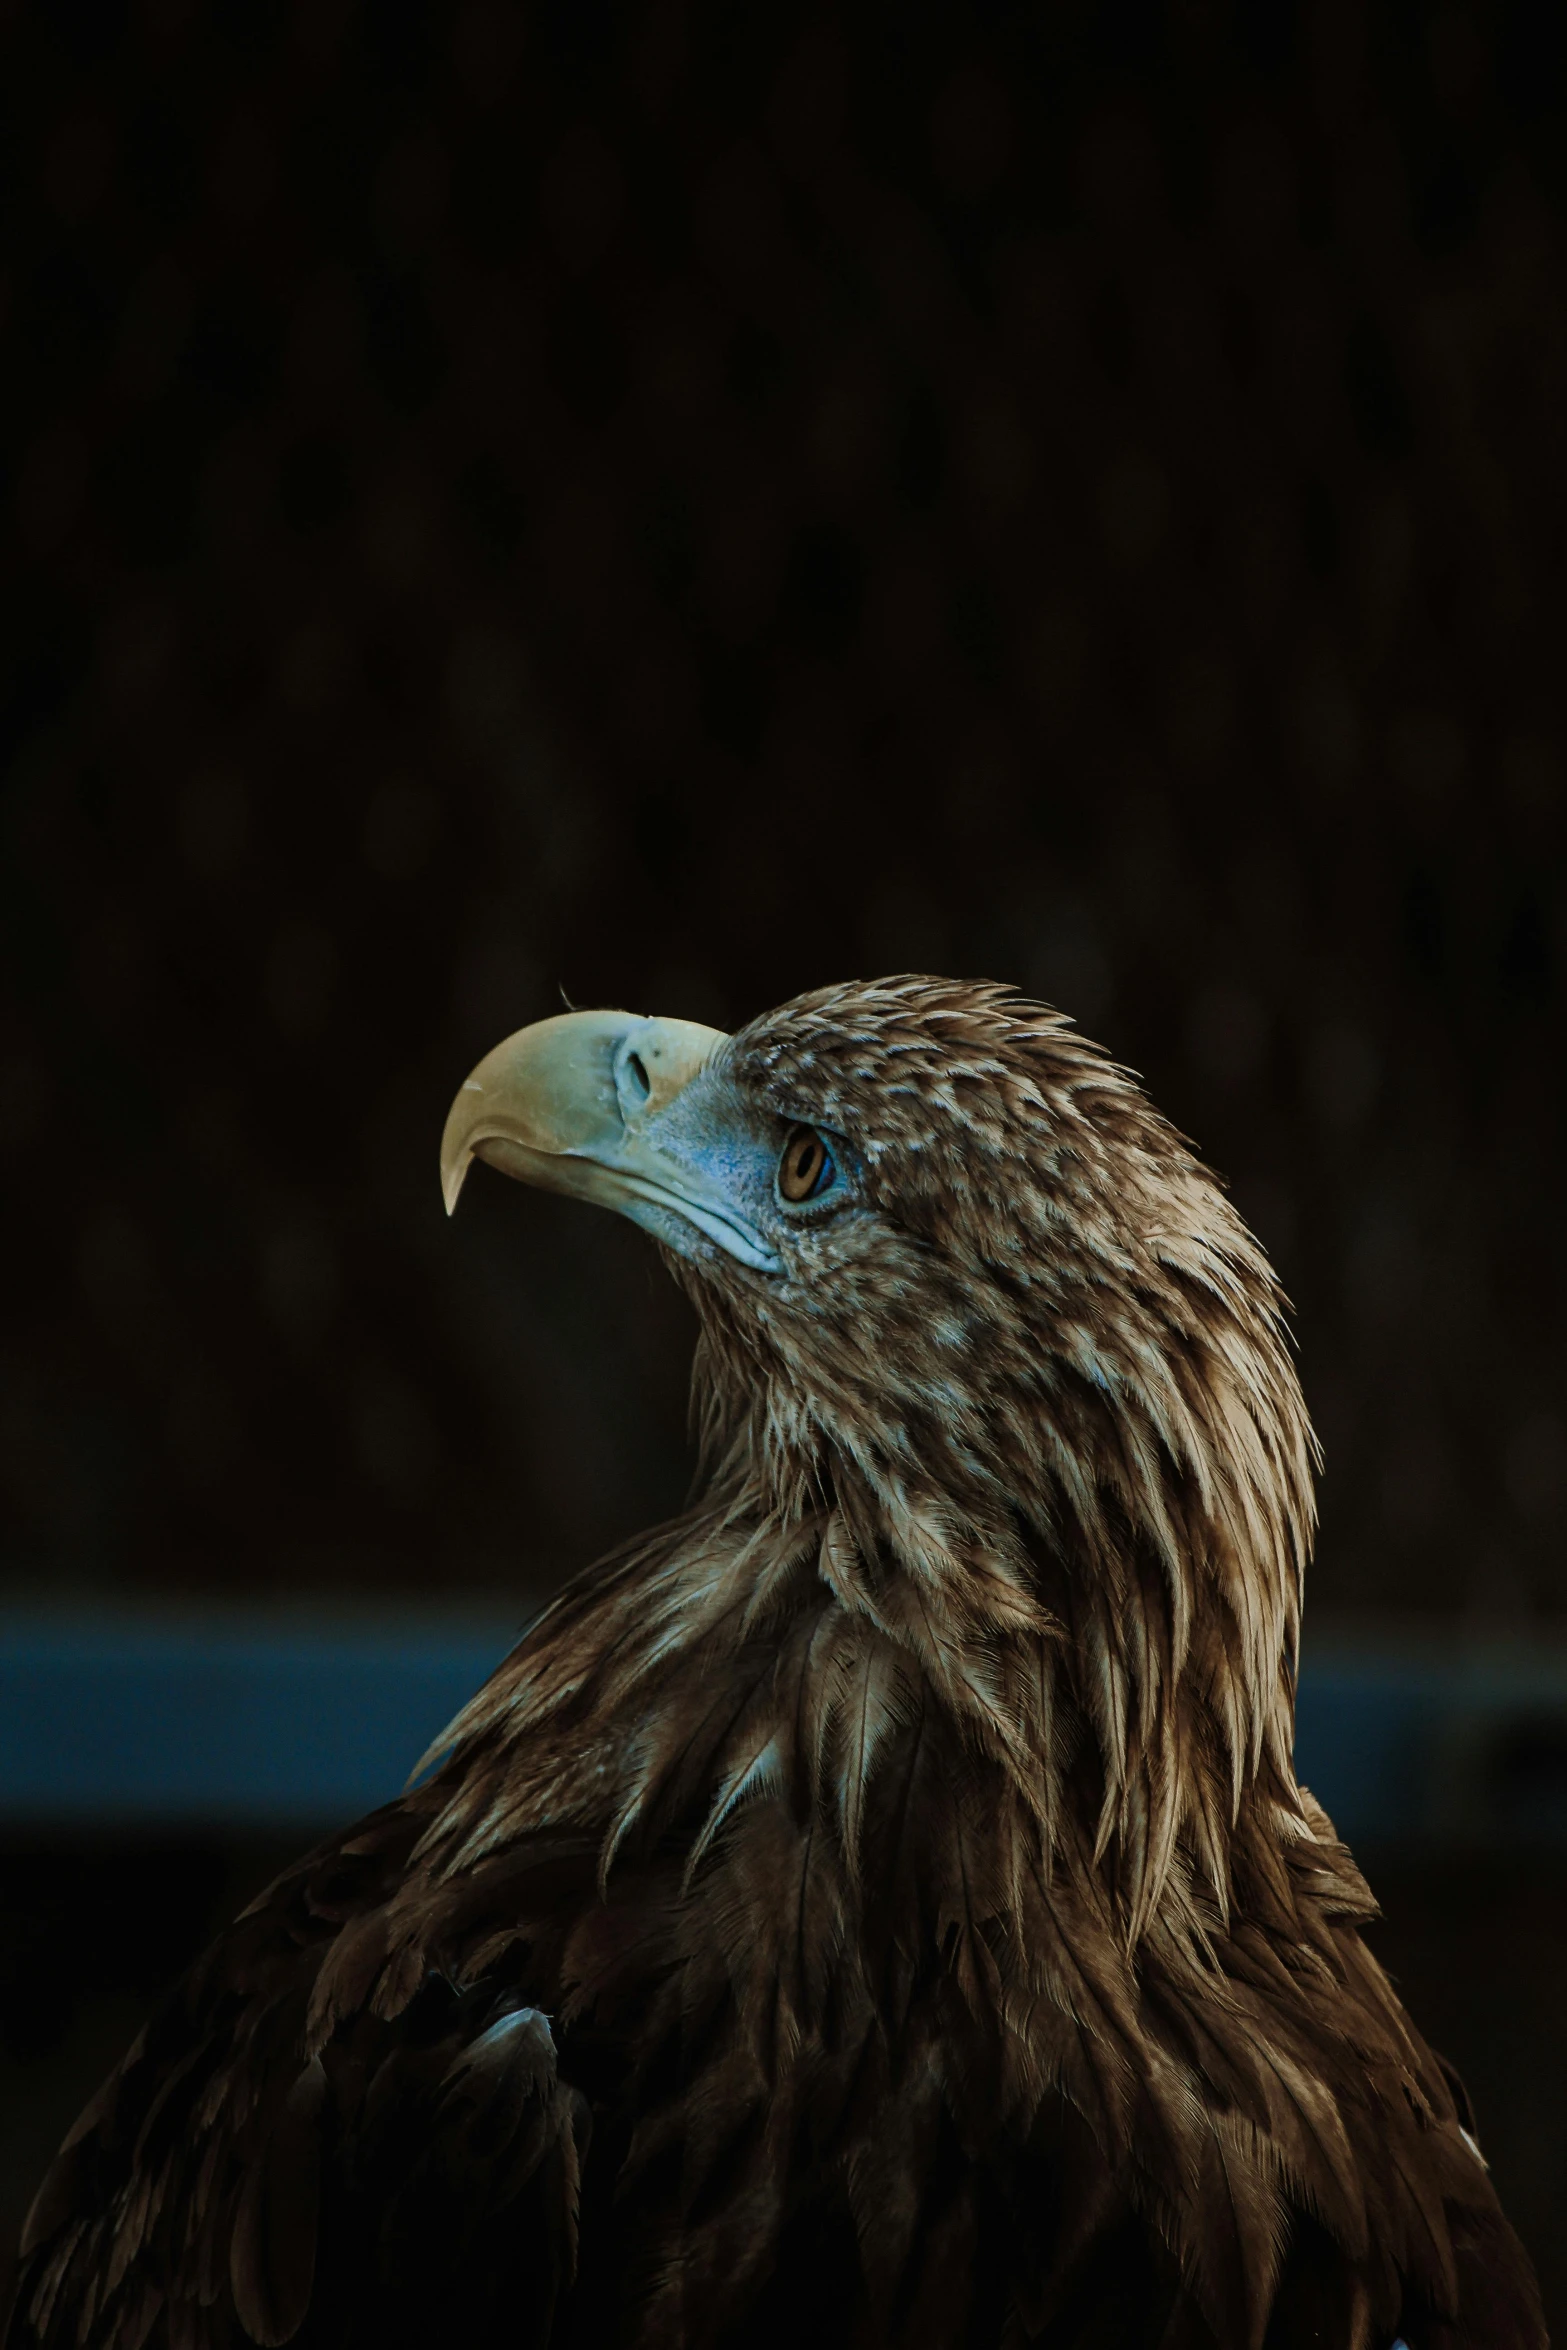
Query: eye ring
[807, 1167]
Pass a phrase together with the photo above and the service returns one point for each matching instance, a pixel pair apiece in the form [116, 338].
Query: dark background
[686, 503]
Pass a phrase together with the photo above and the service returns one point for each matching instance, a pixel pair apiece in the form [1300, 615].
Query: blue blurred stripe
[1464, 1745]
[267, 1722]
[258, 1723]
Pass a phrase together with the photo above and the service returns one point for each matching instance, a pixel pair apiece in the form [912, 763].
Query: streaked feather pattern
[878, 1907]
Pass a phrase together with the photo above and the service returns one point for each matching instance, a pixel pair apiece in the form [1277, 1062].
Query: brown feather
[273, 2255]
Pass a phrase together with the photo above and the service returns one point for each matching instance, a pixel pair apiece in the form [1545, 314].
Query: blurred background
[675, 504]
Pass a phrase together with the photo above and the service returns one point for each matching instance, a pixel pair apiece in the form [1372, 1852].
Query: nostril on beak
[633, 1085]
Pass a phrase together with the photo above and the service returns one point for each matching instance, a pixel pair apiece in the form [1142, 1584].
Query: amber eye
[807, 1167]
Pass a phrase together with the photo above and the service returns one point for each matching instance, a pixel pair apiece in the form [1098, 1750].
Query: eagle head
[924, 1222]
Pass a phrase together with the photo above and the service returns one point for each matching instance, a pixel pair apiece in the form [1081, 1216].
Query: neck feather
[1107, 1612]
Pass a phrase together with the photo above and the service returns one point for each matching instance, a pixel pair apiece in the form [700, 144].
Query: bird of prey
[877, 1907]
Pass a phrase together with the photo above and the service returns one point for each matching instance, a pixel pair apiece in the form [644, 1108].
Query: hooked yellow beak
[578, 1104]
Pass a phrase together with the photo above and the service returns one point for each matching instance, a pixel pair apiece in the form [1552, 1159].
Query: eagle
[876, 1907]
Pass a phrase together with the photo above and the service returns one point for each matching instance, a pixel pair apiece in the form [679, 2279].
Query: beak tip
[452, 1179]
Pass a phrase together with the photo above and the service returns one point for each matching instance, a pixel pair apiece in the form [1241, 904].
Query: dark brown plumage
[879, 1906]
